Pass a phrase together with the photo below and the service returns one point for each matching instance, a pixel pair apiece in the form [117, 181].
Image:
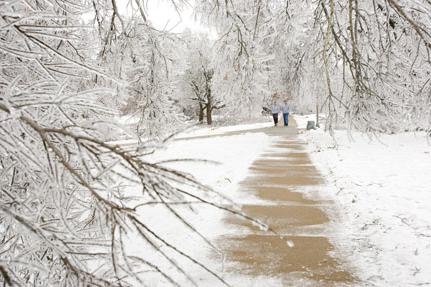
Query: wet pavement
[296, 248]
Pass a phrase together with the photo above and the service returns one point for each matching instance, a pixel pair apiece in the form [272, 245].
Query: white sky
[163, 16]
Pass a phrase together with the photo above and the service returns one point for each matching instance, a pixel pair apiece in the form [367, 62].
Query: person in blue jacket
[285, 110]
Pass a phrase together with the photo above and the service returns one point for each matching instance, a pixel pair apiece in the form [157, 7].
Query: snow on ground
[229, 156]
[227, 161]
[212, 131]
[383, 189]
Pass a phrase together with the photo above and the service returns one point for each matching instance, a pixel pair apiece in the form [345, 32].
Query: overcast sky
[163, 16]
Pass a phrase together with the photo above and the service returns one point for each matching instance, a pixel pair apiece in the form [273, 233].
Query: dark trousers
[286, 119]
[275, 117]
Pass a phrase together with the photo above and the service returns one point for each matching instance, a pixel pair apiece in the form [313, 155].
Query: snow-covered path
[282, 191]
[266, 171]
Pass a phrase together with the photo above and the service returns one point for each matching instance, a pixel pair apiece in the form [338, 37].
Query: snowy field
[213, 131]
[229, 157]
[382, 187]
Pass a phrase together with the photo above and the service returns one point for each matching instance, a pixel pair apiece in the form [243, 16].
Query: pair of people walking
[284, 109]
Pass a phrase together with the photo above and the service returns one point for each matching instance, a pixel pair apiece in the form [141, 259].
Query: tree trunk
[201, 112]
[317, 111]
[209, 105]
[209, 114]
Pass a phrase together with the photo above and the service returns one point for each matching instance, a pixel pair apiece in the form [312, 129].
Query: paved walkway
[300, 254]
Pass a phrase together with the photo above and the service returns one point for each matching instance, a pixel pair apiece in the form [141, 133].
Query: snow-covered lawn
[382, 187]
[213, 131]
[230, 156]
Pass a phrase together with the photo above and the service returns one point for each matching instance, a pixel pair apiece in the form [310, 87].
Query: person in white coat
[275, 109]
[285, 110]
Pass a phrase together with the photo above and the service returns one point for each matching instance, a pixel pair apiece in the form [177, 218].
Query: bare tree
[199, 76]
[374, 54]
[69, 196]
